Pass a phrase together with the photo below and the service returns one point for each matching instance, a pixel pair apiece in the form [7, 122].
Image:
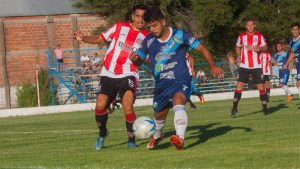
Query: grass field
[213, 139]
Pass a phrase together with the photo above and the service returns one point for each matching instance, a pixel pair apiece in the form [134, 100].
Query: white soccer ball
[143, 127]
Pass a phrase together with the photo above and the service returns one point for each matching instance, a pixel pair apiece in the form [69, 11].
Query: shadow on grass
[203, 133]
[270, 110]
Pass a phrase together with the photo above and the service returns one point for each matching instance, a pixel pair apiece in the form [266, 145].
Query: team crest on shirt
[192, 40]
[130, 83]
[255, 40]
[177, 40]
[139, 41]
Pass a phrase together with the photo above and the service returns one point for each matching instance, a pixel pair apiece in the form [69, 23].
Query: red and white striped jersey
[249, 58]
[266, 58]
[124, 39]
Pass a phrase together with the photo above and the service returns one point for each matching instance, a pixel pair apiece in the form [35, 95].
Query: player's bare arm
[93, 39]
[136, 60]
[291, 57]
[238, 53]
[260, 48]
[206, 54]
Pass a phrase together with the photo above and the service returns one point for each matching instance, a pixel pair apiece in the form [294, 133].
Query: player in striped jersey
[119, 75]
[295, 52]
[267, 71]
[249, 47]
[280, 58]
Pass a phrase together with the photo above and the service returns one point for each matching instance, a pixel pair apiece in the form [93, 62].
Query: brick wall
[27, 38]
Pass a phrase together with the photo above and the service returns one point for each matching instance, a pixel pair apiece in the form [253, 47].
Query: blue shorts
[194, 89]
[284, 76]
[163, 93]
[298, 71]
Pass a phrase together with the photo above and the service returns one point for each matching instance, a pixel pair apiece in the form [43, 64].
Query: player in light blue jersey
[281, 58]
[166, 48]
[295, 52]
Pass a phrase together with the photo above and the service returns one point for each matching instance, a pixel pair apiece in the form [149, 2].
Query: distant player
[249, 47]
[281, 58]
[119, 74]
[194, 89]
[295, 52]
[166, 48]
[267, 71]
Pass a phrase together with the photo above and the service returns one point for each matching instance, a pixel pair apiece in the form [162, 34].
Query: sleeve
[263, 41]
[143, 50]
[190, 41]
[109, 33]
[81, 59]
[239, 41]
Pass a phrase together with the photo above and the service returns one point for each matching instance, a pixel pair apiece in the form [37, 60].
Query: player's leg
[258, 79]
[242, 79]
[298, 78]
[159, 120]
[180, 120]
[283, 80]
[106, 94]
[267, 86]
[127, 88]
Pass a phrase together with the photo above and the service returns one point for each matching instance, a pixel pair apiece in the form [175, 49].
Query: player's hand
[256, 48]
[193, 74]
[284, 66]
[215, 70]
[133, 56]
[78, 35]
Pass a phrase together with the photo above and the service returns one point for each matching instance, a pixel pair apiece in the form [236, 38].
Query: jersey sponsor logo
[155, 104]
[167, 75]
[162, 67]
[139, 41]
[126, 47]
[130, 83]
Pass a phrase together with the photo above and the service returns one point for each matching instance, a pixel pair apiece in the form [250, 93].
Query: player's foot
[153, 142]
[178, 142]
[233, 113]
[290, 98]
[131, 145]
[266, 112]
[193, 107]
[268, 99]
[100, 141]
[201, 97]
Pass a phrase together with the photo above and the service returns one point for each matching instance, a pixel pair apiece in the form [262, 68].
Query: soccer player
[119, 74]
[280, 58]
[295, 52]
[267, 71]
[249, 47]
[166, 48]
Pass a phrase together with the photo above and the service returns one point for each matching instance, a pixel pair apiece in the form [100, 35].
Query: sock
[286, 90]
[236, 98]
[180, 120]
[268, 92]
[130, 118]
[101, 117]
[299, 91]
[159, 125]
[263, 98]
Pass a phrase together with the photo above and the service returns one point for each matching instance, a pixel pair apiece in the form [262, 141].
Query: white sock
[286, 90]
[299, 91]
[180, 120]
[159, 125]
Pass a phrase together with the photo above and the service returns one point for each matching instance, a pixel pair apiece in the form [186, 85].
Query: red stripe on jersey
[250, 52]
[103, 38]
[258, 44]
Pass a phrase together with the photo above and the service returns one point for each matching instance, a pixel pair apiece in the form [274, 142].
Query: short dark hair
[250, 20]
[295, 24]
[153, 14]
[139, 6]
[279, 42]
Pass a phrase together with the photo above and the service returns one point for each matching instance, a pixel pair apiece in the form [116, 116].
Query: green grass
[213, 139]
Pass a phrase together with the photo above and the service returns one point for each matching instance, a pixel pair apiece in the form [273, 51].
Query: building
[27, 29]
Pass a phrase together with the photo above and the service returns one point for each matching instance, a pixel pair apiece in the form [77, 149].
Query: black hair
[139, 6]
[295, 24]
[153, 14]
[250, 20]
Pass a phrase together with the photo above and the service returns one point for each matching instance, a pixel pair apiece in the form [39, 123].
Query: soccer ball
[143, 127]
